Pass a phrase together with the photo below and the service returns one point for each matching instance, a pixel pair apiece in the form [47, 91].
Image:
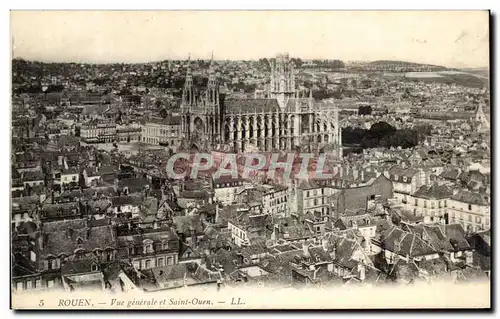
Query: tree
[364, 110]
[163, 113]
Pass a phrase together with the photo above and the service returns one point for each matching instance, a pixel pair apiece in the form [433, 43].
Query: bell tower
[212, 94]
[282, 86]
[188, 94]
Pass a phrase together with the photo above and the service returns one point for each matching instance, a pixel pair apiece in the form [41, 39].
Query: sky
[449, 38]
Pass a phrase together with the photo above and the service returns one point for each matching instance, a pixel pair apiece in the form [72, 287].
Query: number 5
[41, 303]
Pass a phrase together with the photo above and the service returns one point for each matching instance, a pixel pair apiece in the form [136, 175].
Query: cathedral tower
[282, 87]
[188, 93]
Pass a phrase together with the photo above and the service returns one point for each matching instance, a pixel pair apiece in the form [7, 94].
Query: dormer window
[79, 241]
[98, 253]
[80, 254]
[148, 248]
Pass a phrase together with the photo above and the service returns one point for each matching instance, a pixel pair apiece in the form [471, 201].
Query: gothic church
[284, 120]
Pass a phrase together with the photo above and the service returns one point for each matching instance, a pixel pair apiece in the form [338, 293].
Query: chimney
[315, 272]
[87, 233]
[324, 244]
[217, 212]
[41, 240]
[333, 253]
[362, 272]
[305, 250]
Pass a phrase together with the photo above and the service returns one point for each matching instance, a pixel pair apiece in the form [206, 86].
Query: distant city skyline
[454, 39]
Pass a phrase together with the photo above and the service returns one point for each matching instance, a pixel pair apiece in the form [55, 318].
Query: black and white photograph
[250, 160]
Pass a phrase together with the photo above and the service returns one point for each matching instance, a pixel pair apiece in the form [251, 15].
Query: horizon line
[199, 58]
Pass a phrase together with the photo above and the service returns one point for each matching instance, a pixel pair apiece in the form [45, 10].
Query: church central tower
[282, 87]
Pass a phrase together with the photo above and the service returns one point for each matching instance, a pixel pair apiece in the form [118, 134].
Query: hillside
[404, 64]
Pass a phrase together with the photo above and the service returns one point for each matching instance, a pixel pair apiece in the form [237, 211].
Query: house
[190, 232]
[363, 223]
[275, 200]
[162, 132]
[310, 198]
[91, 176]
[82, 274]
[430, 201]
[63, 245]
[316, 222]
[397, 244]
[406, 181]
[481, 242]
[195, 197]
[450, 175]
[470, 209]
[22, 209]
[225, 188]
[133, 185]
[59, 211]
[180, 275]
[127, 205]
[70, 177]
[245, 228]
[357, 198]
[449, 240]
[290, 230]
[32, 178]
[147, 245]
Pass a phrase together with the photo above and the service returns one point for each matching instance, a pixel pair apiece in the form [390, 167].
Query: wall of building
[356, 198]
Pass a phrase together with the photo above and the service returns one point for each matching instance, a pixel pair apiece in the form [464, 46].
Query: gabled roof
[404, 243]
[62, 237]
[433, 191]
[470, 198]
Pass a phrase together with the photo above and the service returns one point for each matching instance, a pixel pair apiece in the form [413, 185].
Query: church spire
[189, 75]
[188, 91]
[212, 86]
[211, 72]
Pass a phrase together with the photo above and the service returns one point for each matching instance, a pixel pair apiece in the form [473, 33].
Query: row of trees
[382, 134]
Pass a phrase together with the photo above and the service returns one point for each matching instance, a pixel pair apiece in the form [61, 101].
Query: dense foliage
[382, 134]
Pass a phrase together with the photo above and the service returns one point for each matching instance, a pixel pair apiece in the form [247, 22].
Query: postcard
[250, 160]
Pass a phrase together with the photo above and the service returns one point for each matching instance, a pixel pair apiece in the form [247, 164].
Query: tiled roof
[404, 243]
[470, 198]
[451, 173]
[434, 191]
[61, 237]
[360, 220]
[79, 266]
